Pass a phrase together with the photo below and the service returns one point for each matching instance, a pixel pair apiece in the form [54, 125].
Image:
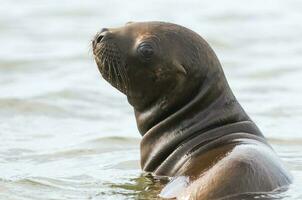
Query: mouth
[111, 64]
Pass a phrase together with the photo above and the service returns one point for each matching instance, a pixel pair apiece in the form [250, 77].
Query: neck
[212, 106]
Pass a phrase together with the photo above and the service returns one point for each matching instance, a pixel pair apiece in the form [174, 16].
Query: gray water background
[66, 134]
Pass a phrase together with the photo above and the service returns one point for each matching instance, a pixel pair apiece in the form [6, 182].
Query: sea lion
[193, 127]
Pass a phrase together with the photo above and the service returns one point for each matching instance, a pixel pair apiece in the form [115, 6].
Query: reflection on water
[66, 134]
[142, 187]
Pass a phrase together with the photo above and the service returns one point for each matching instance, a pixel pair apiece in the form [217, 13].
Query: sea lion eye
[146, 50]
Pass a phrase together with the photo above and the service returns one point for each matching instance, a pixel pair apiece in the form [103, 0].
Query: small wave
[28, 106]
[282, 141]
[59, 183]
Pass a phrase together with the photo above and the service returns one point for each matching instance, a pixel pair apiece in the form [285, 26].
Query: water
[66, 134]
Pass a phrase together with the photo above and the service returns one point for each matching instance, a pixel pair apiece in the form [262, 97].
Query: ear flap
[180, 68]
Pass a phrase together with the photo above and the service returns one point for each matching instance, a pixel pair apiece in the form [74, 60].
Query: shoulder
[249, 167]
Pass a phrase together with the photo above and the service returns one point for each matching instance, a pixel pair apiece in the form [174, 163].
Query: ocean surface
[67, 134]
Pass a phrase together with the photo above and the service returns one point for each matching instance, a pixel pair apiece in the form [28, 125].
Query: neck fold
[212, 107]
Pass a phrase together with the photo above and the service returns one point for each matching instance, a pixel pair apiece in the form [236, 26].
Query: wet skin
[191, 123]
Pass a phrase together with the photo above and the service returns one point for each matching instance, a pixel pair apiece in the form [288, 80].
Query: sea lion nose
[100, 36]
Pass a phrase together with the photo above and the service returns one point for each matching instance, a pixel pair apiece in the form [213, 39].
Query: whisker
[106, 67]
[121, 75]
[115, 75]
[128, 84]
[124, 76]
[112, 66]
[90, 48]
[109, 69]
[101, 50]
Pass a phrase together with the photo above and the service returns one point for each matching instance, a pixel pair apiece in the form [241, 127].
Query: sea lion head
[157, 65]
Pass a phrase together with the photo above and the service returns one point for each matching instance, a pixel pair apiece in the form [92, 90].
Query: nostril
[99, 38]
[101, 35]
